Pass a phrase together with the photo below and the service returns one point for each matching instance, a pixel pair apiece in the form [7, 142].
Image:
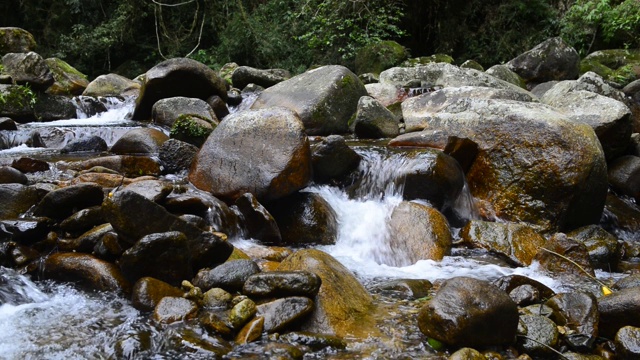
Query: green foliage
[190, 128]
[596, 24]
[18, 96]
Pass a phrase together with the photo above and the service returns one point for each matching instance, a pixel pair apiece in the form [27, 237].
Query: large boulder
[166, 111]
[519, 243]
[445, 75]
[325, 98]
[553, 59]
[503, 72]
[533, 164]
[111, 85]
[68, 80]
[374, 121]
[343, 305]
[245, 75]
[28, 69]
[469, 312]
[264, 152]
[417, 111]
[418, 232]
[177, 77]
[609, 118]
[16, 40]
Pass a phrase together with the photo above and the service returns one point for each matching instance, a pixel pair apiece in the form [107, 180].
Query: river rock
[517, 242]
[469, 312]
[503, 72]
[172, 309]
[622, 308]
[11, 175]
[27, 231]
[374, 121]
[553, 175]
[553, 59]
[61, 203]
[609, 118]
[282, 284]
[83, 220]
[628, 342]
[578, 311]
[258, 222]
[387, 94]
[418, 111]
[147, 293]
[28, 69]
[30, 165]
[541, 335]
[231, 162]
[467, 354]
[241, 313]
[87, 241]
[86, 269]
[17, 199]
[139, 141]
[405, 288]
[418, 232]
[313, 340]
[602, 246]
[154, 190]
[571, 249]
[325, 98]
[509, 283]
[91, 143]
[343, 306]
[177, 77]
[166, 111]
[245, 75]
[219, 107]
[333, 159]
[7, 124]
[282, 313]
[623, 175]
[164, 256]
[230, 276]
[305, 219]
[445, 75]
[53, 107]
[176, 155]
[16, 40]
[112, 85]
[629, 281]
[68, 80]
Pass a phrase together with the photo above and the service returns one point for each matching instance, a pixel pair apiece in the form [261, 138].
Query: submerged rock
[469, 312]
[325, 98]
[343, 307]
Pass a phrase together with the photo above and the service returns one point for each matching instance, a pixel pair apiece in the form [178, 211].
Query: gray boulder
[176, 155]
[245, 75]
[418, 111]
[140, 141]
[264, 152]
[177, 77]
[325, 98]
[533, 164]
[112, 85]
[333, 159]
[166, 111]
[374, 121]
[28, 69]
[503, 72]
[550, 60]
[623, 175]
[16, 40]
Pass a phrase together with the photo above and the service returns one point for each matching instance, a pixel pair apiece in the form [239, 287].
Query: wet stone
[86, 269]
[83, 220]
[241, 313]
[230, 275]
[405, 288]
[282, 283]
[215, 322]
[510, 282]
[11, 175]
[87, 241]
[541, 335]
[61, 203]
[251, 331]
[619, 309]
[628, 342]
[216, 298]
[154, 190]
[147, 293]
[467, 354]
[579, 312]
[29, 165]
[259, 223]
[313, 340]
[525, 295]
[27, 231]
[87, 144]
[172, 309]
[282, 313]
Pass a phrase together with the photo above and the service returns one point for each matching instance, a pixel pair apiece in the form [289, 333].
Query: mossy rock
[13, 39]
[380, 56]
[423, 60]
[68, 80]
[192, 129]
[617, 65]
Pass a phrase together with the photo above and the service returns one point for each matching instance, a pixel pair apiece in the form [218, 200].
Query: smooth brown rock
[147, 293]
[86, 269]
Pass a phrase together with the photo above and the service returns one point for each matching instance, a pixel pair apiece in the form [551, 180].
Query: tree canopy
[129, 36]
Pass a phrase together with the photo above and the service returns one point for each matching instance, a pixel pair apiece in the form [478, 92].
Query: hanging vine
[176, 36]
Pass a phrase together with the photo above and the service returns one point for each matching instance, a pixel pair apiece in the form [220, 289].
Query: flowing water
[57, 321]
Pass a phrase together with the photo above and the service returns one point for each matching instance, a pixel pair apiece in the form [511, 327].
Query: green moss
[595, 66]
[379, 56]
[423, 60]
[626, 74]
[346, 81]
[191, 128]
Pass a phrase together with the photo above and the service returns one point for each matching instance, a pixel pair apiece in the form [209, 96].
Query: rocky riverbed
[498, 209]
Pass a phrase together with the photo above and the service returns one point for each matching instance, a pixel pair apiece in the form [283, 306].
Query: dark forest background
[129, 36]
